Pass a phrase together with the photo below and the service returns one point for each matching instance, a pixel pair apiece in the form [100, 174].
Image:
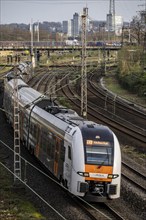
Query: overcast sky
[22, 11]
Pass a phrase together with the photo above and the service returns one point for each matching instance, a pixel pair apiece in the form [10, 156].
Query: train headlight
[112, 176]
[84, 174]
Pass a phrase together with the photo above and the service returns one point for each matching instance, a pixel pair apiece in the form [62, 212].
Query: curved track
[140, 137]
[99, 116]
[115, 105]
[137, 135]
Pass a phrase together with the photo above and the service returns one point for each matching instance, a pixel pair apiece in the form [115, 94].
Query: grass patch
[111, 83]
[63, 102]
[5, 69]
[13, 204]
[133, 153]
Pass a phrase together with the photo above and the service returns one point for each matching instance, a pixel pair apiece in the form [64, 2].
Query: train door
[68, 165]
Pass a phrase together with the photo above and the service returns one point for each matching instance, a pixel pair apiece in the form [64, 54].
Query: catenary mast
[84, 69]
[17, 158]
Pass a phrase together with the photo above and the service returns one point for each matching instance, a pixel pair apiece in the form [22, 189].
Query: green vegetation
[131, 152]
[113, 85]
[131, 70]
[63, 101]
[13, 204]
[5, 69]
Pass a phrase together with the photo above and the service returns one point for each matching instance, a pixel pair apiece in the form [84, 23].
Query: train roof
[69, 117]
[20, 82]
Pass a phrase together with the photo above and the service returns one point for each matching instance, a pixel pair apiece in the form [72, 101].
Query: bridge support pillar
[33, 61]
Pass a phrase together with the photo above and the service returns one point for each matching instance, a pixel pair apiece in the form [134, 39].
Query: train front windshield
[98, 145]
[99, 153]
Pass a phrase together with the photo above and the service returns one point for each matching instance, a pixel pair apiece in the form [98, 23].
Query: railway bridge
[54, 46]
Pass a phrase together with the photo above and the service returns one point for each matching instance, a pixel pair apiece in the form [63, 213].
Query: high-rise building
[75, 25]
[118, 25]
[65, 27]
[111, 17]
[70, 28]
[113, 21]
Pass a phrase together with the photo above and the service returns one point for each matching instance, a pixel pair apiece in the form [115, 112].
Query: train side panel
[74, 162]
[83, 155]
[116, 182]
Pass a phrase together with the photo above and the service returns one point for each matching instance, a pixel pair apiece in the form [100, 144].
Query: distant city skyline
[22, 11]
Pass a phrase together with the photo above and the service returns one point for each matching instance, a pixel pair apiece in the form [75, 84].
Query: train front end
[102, 159]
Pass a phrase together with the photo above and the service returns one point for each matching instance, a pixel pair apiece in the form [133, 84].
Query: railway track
[115, 105]
[34, 80]
[98, 211]
[139, 180]
[75, 99]
[136, 178]
[100, 116]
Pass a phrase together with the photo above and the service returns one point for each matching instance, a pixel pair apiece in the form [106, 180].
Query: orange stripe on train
[98, 169]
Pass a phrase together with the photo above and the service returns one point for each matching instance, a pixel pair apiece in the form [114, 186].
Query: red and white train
[83, 155]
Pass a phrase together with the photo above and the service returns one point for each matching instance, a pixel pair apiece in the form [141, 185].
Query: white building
[118, 25]
[114, 25]
[70, 28]
[74, 26]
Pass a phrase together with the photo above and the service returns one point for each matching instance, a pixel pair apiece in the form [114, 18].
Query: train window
[44, 140]
[50, 135]
[53, 142]
[69, 152]
[99, 155]
[35, 131]
[56, 156]
[25, 121]
[62, 152]
[49, 145]
[57, 145]
[31, 128]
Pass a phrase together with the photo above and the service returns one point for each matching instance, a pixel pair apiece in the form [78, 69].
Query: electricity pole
[84, 69]
[38, 30]
[32, 52]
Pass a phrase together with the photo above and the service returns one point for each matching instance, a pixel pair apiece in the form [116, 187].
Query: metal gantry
[17, 158]
[84, 68]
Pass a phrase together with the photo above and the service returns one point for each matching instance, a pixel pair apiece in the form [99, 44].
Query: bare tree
[137, 30]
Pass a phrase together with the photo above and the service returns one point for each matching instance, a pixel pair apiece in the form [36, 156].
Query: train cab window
[100, 155]
[69, 152]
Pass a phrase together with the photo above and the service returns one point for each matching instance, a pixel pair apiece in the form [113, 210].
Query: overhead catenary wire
[72, 0]
[47, 92]
[62, 217]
